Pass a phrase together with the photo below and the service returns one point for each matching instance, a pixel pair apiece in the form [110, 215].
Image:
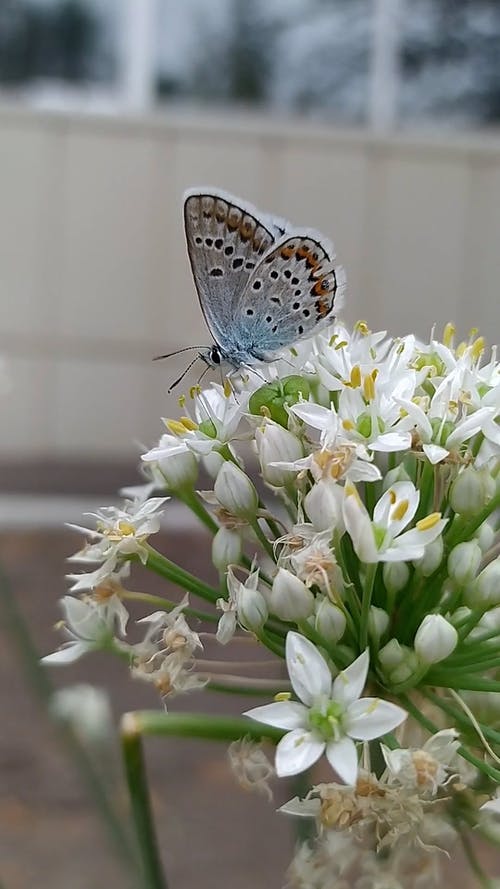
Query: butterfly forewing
[290, 293]
[225, 241]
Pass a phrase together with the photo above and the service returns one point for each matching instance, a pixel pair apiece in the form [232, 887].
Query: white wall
[94, 277]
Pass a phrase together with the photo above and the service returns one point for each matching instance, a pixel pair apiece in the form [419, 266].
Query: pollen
[228, 389]
[400, 510]
[392, 496]
[188, 423]
[193, 392]
[429, 522]
[125, 529]
[362, 328]
[348, 425]
[478, 347]
[282, 696]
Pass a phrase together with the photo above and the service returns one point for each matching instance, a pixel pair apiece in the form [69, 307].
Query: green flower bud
[471, 491]
[290, 599]
[435, 639]
[485, 536]
[395, 575]
[464, 561]
[432, 558]
[485, 592]
[270, 399]
[378, 622]
[330, 621]
[235, 492]
[392, 654]
[226, 549]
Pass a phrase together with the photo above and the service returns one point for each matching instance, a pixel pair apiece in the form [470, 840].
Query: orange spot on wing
[287, 252]
[304, 253]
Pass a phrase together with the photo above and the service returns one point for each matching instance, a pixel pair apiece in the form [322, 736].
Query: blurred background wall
[371, 120]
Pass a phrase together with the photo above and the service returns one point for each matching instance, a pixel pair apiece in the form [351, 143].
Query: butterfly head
[212, 355]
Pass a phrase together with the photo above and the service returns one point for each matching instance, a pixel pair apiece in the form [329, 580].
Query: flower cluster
[371, 565]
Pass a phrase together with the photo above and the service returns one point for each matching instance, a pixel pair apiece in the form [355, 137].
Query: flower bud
[179, 470]
[323, 505]
[432, 558]
[276, 444]
[435, 639]
[459, 615]
[485, 592]
[226, 548]
[330, 621]
[464, 561]
[378, 622]
[235, 492]
[395, 575]
[489, 621]
[272, 399]
[212, 462]
[290, 599]
[406, 668]
[392, 654]
[471, 491]
[87, 710]
[252, 608]
[485, 536]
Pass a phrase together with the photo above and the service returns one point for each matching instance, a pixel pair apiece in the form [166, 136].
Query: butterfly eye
[215, 355]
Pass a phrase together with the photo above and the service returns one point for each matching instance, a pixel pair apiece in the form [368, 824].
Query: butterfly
[262, 285]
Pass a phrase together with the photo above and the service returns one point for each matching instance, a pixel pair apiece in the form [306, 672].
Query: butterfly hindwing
[290, 293]
[225, 241]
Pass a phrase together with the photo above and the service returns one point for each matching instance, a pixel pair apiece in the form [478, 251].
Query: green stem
[365, 605]
[443, 679]
[170, 571]
[135, 772]
[460, 717]
[200, 725]
[262, 538]
[167, 605]
[274, 645]
[196, 506]
[250, 691]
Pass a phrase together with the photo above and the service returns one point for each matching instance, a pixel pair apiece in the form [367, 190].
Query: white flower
[218, 416]
[176, 462]
[90, 626]
[331, 717]
[275, 443]
[381, 540]
[235, 492]
[120, 532]
[424, 769]
[245, 605]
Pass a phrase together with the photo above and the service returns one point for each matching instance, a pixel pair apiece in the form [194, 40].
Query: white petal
[296, 752]
[68, 654]
[314, 415]
[309, 674]
[303, 808]
[391, 441]
[359, 526]
[350, 682]
[370, 718]
[282, 714]
[343, 758]
[434, 453]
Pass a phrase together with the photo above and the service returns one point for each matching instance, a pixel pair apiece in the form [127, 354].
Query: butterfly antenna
[178, 352]
[183, 374]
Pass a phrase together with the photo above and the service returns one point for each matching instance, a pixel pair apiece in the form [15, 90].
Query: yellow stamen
[369, 388]
[283, 696]
[400, 511]
[175, 427]
[341, 345]
[461, 349]
[448, 334]
[355, 379]
[182, 400]
[429, 522]
[228, 389]
[478, 347]
[194, 391]
[392, 496]
[125, 528]
[348, 425]
[362, 328]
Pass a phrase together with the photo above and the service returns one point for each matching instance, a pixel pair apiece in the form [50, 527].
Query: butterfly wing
[226, 239]
[291, 293]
